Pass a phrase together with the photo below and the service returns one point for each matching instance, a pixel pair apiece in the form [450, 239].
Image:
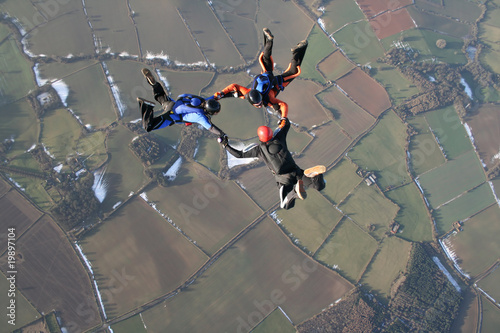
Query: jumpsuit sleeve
[282, 133]
[217, 131]
[283, 105]
[232, 88]
[254, 152]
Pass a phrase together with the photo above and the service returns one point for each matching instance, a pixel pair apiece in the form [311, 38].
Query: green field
[335, 65]
[276, 322]
[60, 132]
[208, 153]
[424, 150]
[412, 215]
[131, 325]
[489, 34]
[490, 284]
[452, 179]
[463, 207]
[359, 42]
[310, 222]
[477, 246]
[24, 312]
[459, 9]
[196, 207]
[398, 87]
[367, 205]
[315, 54]
[92, 147]
[448, 129]
[18, 123]
[490, 316]
[246, 283]
[297, 141]
[382, 151]
[344, 179]
[388, 263]
[124, 173]
[137, 255]
[425, 19]
[17, 79]
[348, 250]
[339, 13]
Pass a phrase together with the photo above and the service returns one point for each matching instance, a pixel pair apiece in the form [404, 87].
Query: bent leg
[287, 196]
[160, 95]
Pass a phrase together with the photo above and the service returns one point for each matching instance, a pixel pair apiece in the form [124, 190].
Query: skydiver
[186, 109]
[266, 86]
[290, 178]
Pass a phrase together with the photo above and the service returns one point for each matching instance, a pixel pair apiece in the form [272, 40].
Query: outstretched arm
[254, 152]
[232, 90]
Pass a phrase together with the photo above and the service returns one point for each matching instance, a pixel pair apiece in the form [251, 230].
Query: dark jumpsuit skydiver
[266, 86]
[186, 109]
[290, 178]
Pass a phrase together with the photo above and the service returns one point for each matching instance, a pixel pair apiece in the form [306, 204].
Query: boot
[149, 76]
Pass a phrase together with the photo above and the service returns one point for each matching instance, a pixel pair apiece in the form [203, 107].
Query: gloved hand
[218, 95]
[282, 122]
[223, 140]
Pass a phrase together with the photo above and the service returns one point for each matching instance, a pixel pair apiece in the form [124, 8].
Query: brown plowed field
[17, 213]
[4, 187]
[51, 276]
[365, 91]
[485, 126]
[373, 7]
[391, 23]
[335, 65]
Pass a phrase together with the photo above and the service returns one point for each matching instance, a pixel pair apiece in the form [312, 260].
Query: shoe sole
[268, 34]
[299, 188]
[300, 45]
[149, 76]
[145, 101]
[315, 170]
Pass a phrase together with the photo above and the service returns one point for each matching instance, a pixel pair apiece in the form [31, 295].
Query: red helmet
[265, 133]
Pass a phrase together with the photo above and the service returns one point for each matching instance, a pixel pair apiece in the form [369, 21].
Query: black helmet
[212, 106]
[254, 97]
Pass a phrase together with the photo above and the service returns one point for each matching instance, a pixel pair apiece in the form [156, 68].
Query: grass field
[35, 187]
[391, 23]
[339, 13]
[452, 179]
[367, 205]
[365, 91]
[347, 114]
[200, 208]
[450, 133]
[335, 66]
[485, 125]
[276, 322]
[460, 9]
[297, 141]
[320, 46]
[328, 144]
[77, 37]
[92, 147]
[137, 256]
[60, 133]
[124, 172]
[113, 27]
[490, 284]
[50, 283]
[17, 213]
[463, 207]
[387, 264]
[209, 153]
[373, 7]
[397, 86]
[310, 222]
[412, 215]
[24, 311]
[349, 249]
[16, 80]
[382, 151]
[18, 123]
[425, 19]
[477, 246]
[259, 184]
[261, 271]
[491, 319]
[131, 325]
[423, 148]
[340, 180]
[359, 42]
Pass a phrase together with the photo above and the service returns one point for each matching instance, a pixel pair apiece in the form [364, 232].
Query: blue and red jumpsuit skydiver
[266, 83]
[188, 108]
[275, 154]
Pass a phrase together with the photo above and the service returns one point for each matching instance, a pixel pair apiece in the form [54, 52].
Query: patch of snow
[31, 148]
[117, 204]
[136, 121]
[173, 170]
[58, 168]
[47, 151]
[17, 184]
[114, 90]
[448, 275]
[79, 172]
[62, 90]
[468, 90]
[100, 186]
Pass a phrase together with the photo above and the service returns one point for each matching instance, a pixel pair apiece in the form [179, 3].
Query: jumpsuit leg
[293, 69]
[160, 95]
[149, 121]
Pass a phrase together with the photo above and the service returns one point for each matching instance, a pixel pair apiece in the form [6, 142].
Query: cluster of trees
[147, 148]
[79, 202]
[441, 90]
[189, 140]
[426, 301]
[356, 313]
[44, 160]
[52, 101]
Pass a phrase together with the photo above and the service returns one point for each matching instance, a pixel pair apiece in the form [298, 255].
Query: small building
[394, 228]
